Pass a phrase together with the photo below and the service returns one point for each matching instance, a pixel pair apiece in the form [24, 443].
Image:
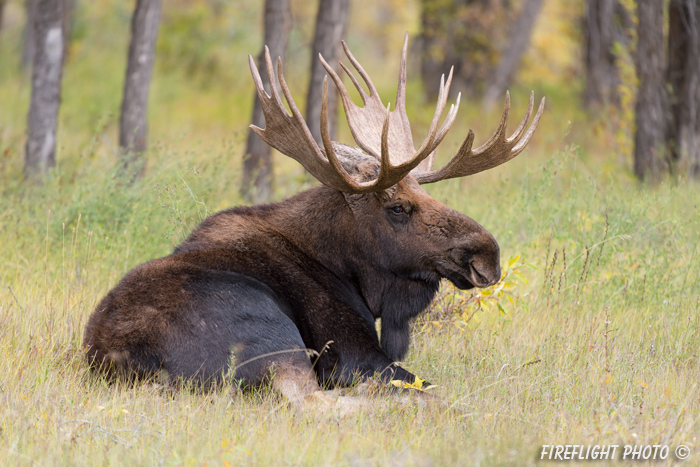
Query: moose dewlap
[294, 288]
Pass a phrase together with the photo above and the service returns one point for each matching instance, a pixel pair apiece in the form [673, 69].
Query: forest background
[592, 336]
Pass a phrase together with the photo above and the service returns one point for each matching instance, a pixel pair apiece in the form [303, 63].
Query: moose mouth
[463, 278]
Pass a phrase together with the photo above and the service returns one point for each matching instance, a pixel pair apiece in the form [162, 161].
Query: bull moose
[292, 291]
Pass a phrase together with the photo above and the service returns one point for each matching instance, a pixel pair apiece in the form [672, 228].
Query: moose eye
[399, 211]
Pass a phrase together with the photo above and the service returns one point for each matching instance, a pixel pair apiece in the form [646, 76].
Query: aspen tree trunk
[652, 102]
[257, 181]
[2, 10]
[605, 22]
[510, 58]
[331, 22]
[47, 70]
[28, 39]
[133, 123]
[684, 82]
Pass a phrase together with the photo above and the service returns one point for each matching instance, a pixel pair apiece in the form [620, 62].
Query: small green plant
[457, 308]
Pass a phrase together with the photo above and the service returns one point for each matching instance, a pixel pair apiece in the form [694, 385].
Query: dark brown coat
[294, 289]
[313, 271]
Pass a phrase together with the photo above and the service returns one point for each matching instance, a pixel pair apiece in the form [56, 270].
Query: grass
[599, 344]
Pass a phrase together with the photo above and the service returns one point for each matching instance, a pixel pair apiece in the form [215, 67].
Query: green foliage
[457, 308]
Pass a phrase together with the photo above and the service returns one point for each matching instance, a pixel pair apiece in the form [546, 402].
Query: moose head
[254, 286]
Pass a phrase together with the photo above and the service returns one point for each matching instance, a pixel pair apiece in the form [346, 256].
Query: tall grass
[598, 345]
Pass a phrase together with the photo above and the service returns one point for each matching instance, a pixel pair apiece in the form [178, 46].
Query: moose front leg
[348, 369]
[396, 337]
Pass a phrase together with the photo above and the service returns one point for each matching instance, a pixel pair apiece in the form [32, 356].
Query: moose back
[293, 290]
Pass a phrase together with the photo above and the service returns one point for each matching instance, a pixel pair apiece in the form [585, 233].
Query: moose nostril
[466, 258]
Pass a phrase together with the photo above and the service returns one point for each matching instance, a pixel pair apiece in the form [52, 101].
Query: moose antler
[290, 135]
[496, 151]
[364, 122]
[392, 145]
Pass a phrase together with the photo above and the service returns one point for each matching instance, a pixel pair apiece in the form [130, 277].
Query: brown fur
[254, 287]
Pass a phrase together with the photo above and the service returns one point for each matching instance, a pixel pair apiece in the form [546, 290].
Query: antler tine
[273, 83]
[500, 131]
[344, 95]
[363, 94]
[530, 131]
[385, 171]
[496, 151]
[434, 137]
[443, 93]
[358, 67]
[293, 107]
[517, 134]
[449, 120]
[270, 110]
[257, 80]
[328, 143]
[401, 89]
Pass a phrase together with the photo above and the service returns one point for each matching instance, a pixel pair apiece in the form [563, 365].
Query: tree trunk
[30, 6]
[133, 124]
[603, 26]
[510, 58]
[652, 101]
[684, 82]
[2, 10]
[47, 71]
[466, 34]
[257, 181]
[28, 39]
[331, 22]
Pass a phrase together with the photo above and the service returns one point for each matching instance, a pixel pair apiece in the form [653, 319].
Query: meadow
[592, 337]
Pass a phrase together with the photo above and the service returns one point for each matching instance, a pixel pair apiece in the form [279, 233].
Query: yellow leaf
[608, 379]
[417, 384]
[398, 383]
[513, 261]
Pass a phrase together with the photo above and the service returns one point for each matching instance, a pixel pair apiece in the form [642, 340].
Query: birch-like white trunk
[47, 71]
[133, 123]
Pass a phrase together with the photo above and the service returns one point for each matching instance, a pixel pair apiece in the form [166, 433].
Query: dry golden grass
[599, 344]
